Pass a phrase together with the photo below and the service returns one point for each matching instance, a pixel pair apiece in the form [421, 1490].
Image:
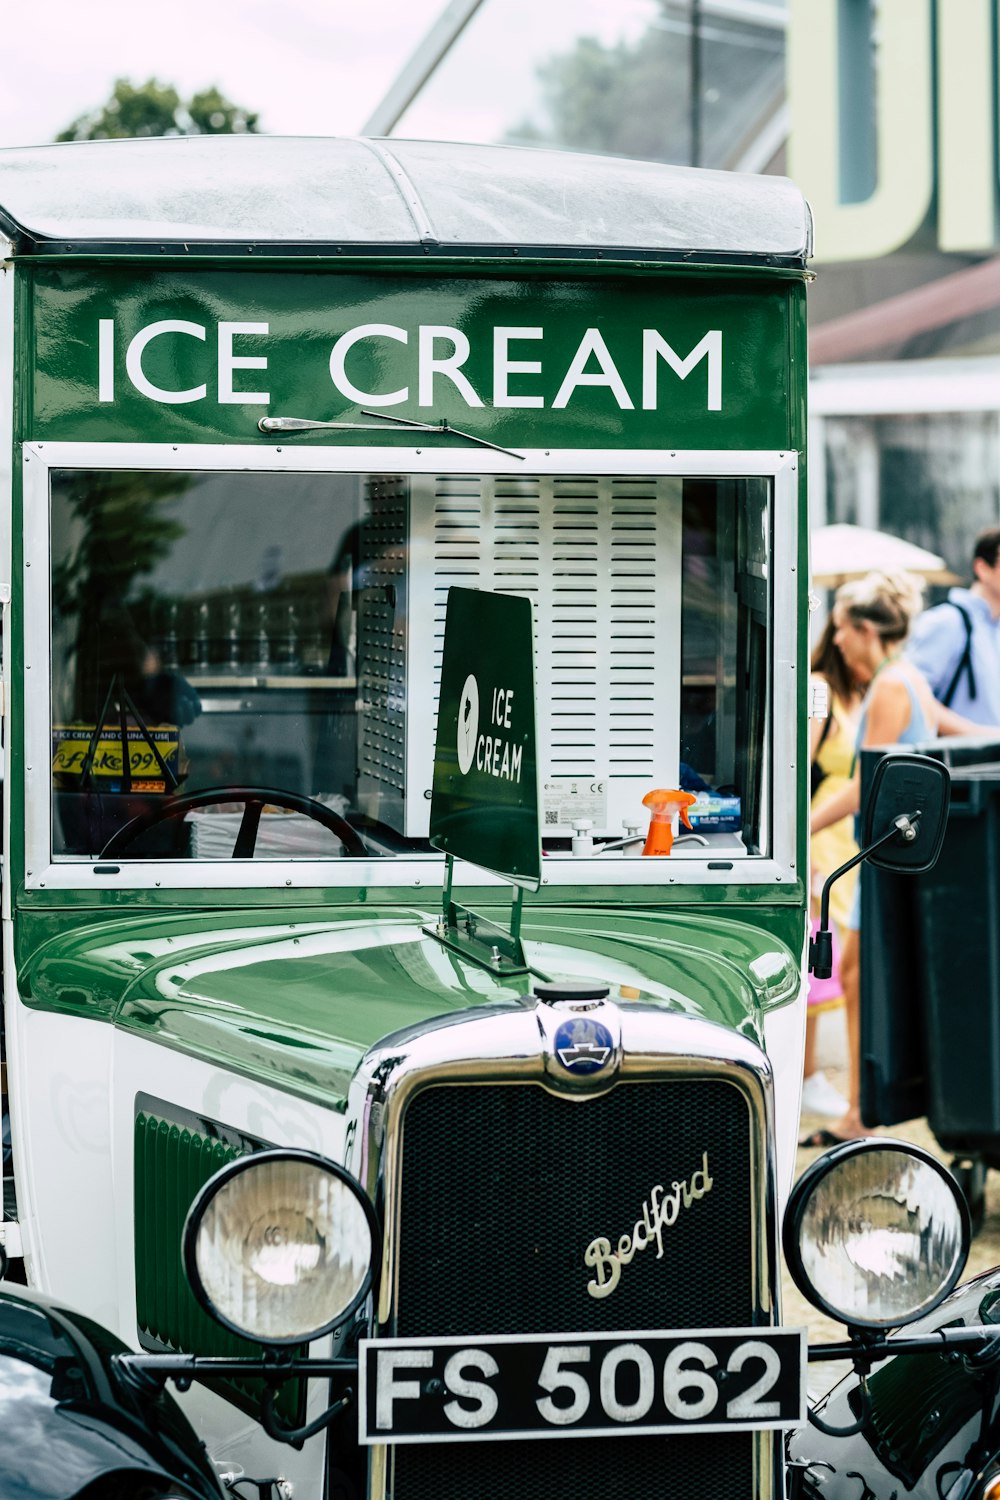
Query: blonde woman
[831, 751]
[871, 620]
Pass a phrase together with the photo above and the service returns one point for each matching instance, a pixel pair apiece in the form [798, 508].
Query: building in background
[885, 113]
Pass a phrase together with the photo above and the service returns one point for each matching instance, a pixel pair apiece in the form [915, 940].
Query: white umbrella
[841, 553]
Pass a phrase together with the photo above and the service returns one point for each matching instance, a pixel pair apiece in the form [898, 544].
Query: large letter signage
[966, 167]
[926, 85]
[904, 152]
[656, 363]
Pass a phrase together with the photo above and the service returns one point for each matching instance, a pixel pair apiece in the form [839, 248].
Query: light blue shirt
[936, 646]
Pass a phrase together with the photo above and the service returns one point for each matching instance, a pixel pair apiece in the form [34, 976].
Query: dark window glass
[284, 632]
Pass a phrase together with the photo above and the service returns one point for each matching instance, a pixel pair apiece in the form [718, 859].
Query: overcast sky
[313, 67]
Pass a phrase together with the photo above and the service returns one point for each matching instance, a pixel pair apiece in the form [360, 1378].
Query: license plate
[580, 1385]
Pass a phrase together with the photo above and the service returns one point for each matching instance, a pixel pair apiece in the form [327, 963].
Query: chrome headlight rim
[798, 1203]
[206, 1195]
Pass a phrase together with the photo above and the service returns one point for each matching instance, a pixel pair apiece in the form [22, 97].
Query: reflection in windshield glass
[618, 77]
[219, 633]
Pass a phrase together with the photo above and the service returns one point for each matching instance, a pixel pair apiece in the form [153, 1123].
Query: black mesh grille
[503, 1187]
[700, 1467]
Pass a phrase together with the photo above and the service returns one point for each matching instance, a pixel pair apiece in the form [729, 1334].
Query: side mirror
[918, 790]
[902, 830]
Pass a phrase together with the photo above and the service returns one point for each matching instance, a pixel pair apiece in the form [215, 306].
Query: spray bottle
[668, 808]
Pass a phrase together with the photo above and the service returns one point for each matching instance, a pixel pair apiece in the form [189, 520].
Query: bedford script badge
[658, 1213]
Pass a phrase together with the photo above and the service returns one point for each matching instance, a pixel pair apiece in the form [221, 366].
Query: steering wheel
[254, 799]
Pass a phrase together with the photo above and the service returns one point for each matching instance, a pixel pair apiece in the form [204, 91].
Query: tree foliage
[123, 526]
[211, 113]
[154, 108]
[629, 99]
[663, 95]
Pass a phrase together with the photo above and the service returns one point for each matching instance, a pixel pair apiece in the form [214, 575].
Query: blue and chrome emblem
[583, 1046]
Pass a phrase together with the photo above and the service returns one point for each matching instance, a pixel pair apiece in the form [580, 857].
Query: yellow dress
[835, 845]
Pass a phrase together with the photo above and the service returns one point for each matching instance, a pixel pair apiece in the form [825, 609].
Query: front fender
[67, 1421]
[925, 1414]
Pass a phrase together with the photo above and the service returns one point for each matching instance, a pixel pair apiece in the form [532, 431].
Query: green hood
[297, 1002]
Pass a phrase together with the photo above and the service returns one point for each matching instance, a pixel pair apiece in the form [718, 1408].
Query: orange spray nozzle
[667, 808]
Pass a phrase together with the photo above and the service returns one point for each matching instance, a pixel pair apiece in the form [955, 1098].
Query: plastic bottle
[668, 808]
[201, 640]
[171, 659]
[234, 627]
[263, 661]
[289, 659]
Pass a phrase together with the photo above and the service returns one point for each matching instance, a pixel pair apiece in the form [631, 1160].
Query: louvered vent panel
[454, 528]
[173, 1161]
[382, 649]
[636, 531]
[600, 559]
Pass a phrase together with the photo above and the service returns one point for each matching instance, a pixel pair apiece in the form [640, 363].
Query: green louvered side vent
[172, 1162]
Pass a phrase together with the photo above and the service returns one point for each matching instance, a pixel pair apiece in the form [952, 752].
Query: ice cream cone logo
[468, 724]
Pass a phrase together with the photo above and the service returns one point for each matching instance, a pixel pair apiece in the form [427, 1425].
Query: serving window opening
[225, 632]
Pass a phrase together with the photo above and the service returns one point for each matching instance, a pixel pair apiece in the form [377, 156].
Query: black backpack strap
[817, 775]
[964, 661]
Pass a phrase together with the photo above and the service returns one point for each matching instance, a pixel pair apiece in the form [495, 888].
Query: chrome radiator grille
[502, 1189]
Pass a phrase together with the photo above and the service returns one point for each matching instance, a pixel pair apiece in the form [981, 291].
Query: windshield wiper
[408, 424]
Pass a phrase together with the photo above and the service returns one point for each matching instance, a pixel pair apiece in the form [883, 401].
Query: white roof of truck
[224, 194]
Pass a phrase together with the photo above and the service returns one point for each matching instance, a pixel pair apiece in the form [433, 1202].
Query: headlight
[280, 1246]
[876, 1233]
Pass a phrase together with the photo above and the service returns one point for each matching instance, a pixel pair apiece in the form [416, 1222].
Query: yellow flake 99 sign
[71, 743]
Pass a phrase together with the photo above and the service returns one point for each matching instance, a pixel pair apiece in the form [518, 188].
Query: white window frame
[6, 562]
[690, 866]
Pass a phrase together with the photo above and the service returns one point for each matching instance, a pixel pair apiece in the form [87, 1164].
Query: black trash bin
[930, 977]
[958, 926]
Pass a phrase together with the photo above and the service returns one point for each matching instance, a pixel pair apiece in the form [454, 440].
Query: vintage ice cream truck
[404, 572]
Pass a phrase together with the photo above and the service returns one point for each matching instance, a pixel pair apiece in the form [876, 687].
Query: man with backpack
[957, 644]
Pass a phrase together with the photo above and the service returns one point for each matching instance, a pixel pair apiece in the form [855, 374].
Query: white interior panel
[600, 557]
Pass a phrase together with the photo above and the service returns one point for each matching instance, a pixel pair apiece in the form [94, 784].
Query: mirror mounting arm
[143, 1371]
[971, 1341]
[296, 1436]
[821, 946]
